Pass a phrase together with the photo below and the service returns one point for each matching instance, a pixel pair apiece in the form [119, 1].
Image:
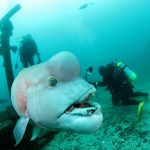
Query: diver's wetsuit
[118, 85]
[27, 51]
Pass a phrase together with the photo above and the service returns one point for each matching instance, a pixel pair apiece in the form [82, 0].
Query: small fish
[85, 5]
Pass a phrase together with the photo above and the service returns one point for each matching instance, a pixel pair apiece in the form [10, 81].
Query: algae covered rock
[8, 120]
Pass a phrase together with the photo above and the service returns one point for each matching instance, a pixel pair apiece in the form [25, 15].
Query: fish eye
[52, 81]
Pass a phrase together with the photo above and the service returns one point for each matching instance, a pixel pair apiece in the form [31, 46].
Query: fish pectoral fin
[38, 132]
[20, 129]
[35, 133]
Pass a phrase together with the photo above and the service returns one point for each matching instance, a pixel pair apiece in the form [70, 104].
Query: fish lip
[95, 108]
[84, 96]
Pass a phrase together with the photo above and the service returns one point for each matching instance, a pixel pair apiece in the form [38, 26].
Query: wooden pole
[6, 28]
[7, 59]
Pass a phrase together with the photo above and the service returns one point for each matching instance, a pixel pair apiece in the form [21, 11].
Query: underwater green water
[106, 30]
[97, 34]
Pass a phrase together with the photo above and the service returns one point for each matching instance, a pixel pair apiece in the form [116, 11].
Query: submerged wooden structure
[9, 117]
[8, 120]
[6, 28]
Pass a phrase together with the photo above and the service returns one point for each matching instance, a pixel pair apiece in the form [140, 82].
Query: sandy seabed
[119, 131]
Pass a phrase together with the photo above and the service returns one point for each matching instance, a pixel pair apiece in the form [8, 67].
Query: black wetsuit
[27, 51]
[119, 86]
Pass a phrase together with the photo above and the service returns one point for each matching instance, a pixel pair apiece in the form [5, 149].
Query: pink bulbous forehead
[64, 66]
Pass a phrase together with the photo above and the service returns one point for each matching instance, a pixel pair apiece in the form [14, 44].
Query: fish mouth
[83, 106]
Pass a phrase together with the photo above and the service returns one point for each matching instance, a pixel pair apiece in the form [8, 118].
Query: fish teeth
[91, 111]
[93, 94]
[83, 111]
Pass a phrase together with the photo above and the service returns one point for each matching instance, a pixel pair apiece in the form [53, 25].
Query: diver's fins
[140, 108]
[20, 129]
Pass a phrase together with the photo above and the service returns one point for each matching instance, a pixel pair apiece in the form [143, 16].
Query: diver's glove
[16, 66]
[14, 48]
[39, 59]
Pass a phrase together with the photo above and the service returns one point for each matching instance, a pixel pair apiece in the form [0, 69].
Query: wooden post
[6, 28]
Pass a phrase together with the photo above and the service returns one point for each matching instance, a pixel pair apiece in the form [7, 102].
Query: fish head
[58, 98]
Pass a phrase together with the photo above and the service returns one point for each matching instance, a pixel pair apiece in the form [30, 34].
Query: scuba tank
[128, 72]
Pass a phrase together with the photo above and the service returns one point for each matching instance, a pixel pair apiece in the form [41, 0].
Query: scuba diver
[117, 77]
[27, 51]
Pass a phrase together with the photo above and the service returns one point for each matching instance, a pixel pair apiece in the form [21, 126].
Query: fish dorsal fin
[20, 129]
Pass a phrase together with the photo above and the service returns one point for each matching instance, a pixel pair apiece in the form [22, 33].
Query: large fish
[54, 97]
